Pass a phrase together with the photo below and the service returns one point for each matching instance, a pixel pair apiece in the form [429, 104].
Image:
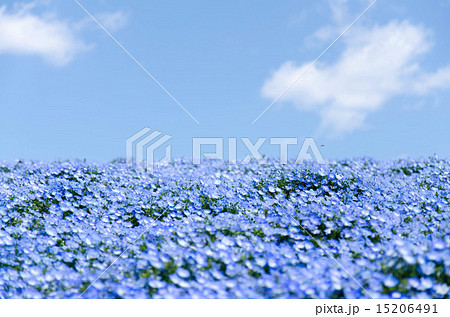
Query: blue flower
[220, 231]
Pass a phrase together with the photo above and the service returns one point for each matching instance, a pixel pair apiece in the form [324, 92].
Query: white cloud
[22, 32]
[26, 33]
[376, 64]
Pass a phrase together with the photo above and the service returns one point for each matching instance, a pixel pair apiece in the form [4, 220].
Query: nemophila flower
[441, 289]
[390, 281]
[216, 230]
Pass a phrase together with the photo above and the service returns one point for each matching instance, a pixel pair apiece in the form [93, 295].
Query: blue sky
[68, 91]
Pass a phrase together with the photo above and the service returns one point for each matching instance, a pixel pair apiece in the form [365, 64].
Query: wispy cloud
[376, 64]
[113, 21]
[57, 41]
[340, 18]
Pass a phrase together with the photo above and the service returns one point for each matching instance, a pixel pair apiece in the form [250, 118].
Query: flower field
[349, 229]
